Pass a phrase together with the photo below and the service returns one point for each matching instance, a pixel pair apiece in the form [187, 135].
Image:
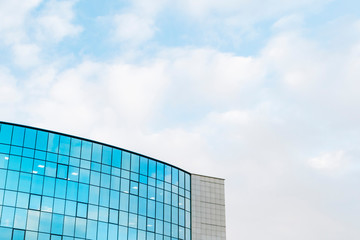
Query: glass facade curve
[56, 186]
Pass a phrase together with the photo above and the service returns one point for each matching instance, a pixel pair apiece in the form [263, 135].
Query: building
[56, 186]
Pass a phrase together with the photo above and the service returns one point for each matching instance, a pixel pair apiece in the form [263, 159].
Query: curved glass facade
[55, 186]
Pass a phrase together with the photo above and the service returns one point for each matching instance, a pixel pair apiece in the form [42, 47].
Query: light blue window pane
[49, 186]
[30, 138]
[150, 236]
[52, 157]
[10, 198]
[134, 176]
[151, 208]
[160, 171]
[125, 160]
[181, 233]
[40, 155]
[102, 230]
[25, 182]
[83, 195]
[174, 231]
[94, 195]
[168, 174]
[95, 166]
[125, 185]
[4, 148]
[28, 152]
[135, 163]
[151, 192]
[181, 217]
[35, 201]
[60, 189]
[175, 200]
[181, 202]
[123, 233]
[2, 178]
[104, 197]
[96, 152]
[159, 195]
[27, 164]
[167, 228]
[105, 180]
[20, 218]
[132, 233]
[5, 233]
[63, 159]
[37, 184]
[4, 161]
[31, 235]
[151, 224]
[142, 206]
[72, 190]
[175, 176]
[152, 168]
[159, 237]
[18, 235]
[33, 220]
[113, 216]
[114, 199]
[45, 222]
[125, 174]
[123, 218]
[64, 147]
[16, 150]
[124, 201]
[53, 143]
[174, 215]
[187, 181]
[159, 227]
[70, 208]
[142, 222]
[86, 150]
[69, 225]
[22, 200]
[115, 183]
[84, 176]
[1, 197]
[59, 206]
[188, 219]
[143, 166]
[75, 147]
[188, 234]
[73, 174]
[93, 212]
[12, 180]
[47, 204]
[106, 155]
[91, 230]
[95, 178]
[39, 167]
[44, 236]
[133, 204]
[113, 231]
[103, 214]
[62, 171]
[18, 136]
[143, 190]
[5, 133]
[57, 224]
[133, 220]
[141, 235]
[50, 169]
[80, 228]
[41, 140]
[134, 188]
[81, 210]
[116, 158]
[115, 171]
[181, 179]
[159, 210]
[167, 212]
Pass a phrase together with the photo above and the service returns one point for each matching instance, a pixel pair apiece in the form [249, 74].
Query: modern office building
[56, 186]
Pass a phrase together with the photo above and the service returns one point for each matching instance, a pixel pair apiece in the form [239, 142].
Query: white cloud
[55, 21]
[329, 161]
[26, 55]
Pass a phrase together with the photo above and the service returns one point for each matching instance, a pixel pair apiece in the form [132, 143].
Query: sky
[262, 93]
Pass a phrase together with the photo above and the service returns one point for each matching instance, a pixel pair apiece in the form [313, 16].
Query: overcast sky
[263, 93]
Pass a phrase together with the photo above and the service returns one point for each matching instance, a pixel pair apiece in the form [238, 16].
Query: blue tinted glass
[5, 133]
[41, 140]
[60, 188]
[104, 197]
[143, 166]
[125, 160]
[27, 164]
[175, 176]
[25, 182]
[124, 201]
[37, 184]
[18, 136]
[64, 147]
[151, 208]
[75, 147]
[116, 158]
[133, 204]
[91, 229]
[30, 138]
[114, 199]
[14, 162]
[160, 171]
[83, 193]
[181, 179]
[35, 201]
[106, 155]
[7, 216]
[187, 181]
[86, 150]
[142, 206]
[152, 168]
[39, 167]
[80, 228]
[168, 174]
[57, 224]
[134, 163]
[96, 152]
[53, 143]
[72, 189]
[62, 171]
